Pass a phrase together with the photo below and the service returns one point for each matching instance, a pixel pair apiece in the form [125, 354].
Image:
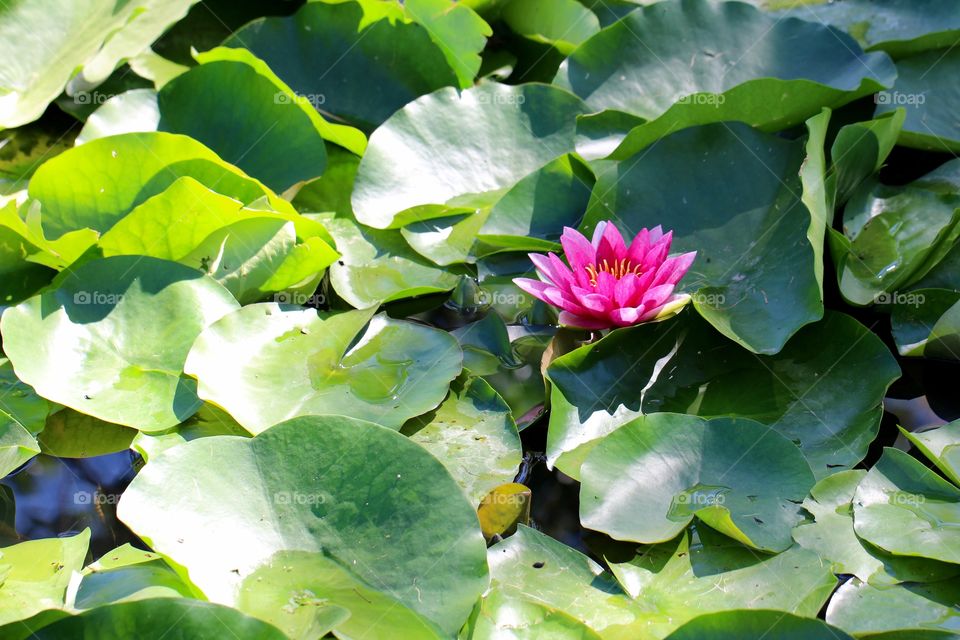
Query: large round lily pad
[266, 363]
[468, 145]
[647, 480]
[402, 525]
[112, 339]
[916, 611]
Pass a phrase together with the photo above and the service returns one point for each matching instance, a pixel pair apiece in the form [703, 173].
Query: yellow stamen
[618, 269]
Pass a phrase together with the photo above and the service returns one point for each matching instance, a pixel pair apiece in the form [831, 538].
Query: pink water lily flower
[607, 283]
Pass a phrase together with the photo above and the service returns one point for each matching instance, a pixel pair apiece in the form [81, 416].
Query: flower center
[618, 269]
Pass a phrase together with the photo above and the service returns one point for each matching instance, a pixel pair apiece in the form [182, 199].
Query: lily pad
[52, 41]
[92, 185]
[454, 148]
[266, 363]
[740, 65]
[403, 525]
[325, 47]
[266, 115]
[152, 619]
[927, 87]
[904, 508]
[473, 434]
[823, 391]
[34, 575]
[831, 535]
[733, 194]
[125, 574]
[564, 24]
[926, 323]
[917, 609]
[71, 434]
[533, 567]
[502, 616]
[859, 151]
[736, 624]
[647, 480]
[210, 420]
[111, 341]
[941, 446]
[307, 595]
[129, 112]
[20, 401]
[701, 572]
[379, 266]
[16, 445]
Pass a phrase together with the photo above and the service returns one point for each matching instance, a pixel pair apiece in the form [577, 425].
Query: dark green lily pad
[737, 624]
[823, 391]
[926, 323]
[646, 481]
[681, 64]
[71, 434]
[402, 525]
[733, 194]
[267, 363]
[112, 339]
[17, 445]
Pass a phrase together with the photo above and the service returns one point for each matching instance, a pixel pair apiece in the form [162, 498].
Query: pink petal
[655, 234]
[611, 247]
[606, 284]
[563, 300]
[673, 269]
[533, 287]
[580, 253]
[657, 296]
[568, 319]
[550, 271]
[638, 248]
[591, 300]
[657, 253]
[626, 291]
[598, 233]
[625, 316]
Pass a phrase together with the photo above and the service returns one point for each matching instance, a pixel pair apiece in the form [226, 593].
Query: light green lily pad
[500, 615]
[454, 148]
[914, 609]
[126, 574]
[71, 434]
[17, 445]
[266, 363]
[941, 446]
[129, 112]
[738, 623]
[647, 480]
[111, 341]
[564, 24]
[402, 525]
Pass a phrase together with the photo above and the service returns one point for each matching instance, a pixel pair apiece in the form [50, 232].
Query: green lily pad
[34, 248]
[133, 111]
[500, 615]
[899, 27]
[823, 391]
[51, 42]
[304, 594]
[926, 323]
[681, 64]
[266, 363]
[533, 567]
[20, 401]
[451, 148]
[832, 536]
[92, 185]
[210, 420]
[941, 446]
[267, 116]
[71, 434]
[473, 434]
[378, 266]
[703, 571]
[152, 619]
[733, 194]
[402, 525]
[532, 214]
[919, 609]
[456, 29]
[647, 480]
[904, 508]
[859, 151]
[111, 341]
[34, 575]
[736, 624]
[564, 24]
[892, 236]
[927, 87]
[125, 574]
[17, 445]
[325, 47]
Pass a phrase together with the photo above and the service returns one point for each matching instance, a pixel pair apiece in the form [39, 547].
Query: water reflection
[62, 496]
